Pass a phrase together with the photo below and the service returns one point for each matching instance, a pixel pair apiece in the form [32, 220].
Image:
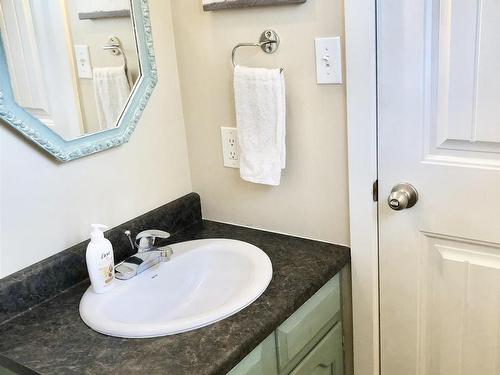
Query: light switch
[83, 61]
[328, 60]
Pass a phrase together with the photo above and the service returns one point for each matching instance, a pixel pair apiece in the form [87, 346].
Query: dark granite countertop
[52, 339]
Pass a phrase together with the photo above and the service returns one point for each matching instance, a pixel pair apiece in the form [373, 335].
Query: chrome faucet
[147, 254]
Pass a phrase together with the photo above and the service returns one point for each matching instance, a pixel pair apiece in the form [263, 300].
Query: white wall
[312, 200]
[46, 207]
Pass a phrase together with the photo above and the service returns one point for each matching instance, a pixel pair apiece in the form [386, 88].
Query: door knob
[402, 196]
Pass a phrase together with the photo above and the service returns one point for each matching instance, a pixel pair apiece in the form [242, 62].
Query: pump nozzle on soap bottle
[100, 260]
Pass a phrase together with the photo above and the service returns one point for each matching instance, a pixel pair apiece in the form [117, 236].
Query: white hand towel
[111, 90]
[260, 117]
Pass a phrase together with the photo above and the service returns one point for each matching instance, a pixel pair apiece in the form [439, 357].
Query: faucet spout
[140, 262]
[147, 256]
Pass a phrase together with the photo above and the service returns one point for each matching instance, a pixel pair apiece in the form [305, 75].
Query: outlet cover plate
[230, 149]
[83, 63]
[328, 61]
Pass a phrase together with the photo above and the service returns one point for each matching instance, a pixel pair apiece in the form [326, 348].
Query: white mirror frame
[66, 150]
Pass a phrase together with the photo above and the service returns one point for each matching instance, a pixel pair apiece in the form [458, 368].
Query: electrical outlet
[230, 149]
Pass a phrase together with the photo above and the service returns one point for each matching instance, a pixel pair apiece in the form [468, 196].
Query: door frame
[361, 71]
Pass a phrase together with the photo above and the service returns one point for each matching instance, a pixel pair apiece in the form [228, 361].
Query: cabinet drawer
[262, 360]
[308, 324]
[326, 358]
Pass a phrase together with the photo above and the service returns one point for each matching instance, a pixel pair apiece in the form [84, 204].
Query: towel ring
[269, 43]
[115, 47]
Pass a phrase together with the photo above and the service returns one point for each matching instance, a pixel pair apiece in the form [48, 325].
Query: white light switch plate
[230, 148]
[83, 61]
[328, 60]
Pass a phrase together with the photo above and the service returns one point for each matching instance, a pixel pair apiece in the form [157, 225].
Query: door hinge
[375, 191]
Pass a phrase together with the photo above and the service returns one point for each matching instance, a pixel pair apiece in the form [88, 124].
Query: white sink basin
[204, 282]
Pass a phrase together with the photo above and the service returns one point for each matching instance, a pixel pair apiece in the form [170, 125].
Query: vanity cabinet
[308, 342]
[326, 357]
[261, 361]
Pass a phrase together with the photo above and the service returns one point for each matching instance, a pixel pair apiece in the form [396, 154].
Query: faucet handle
[128, 233]
[147, 238]
[156, 233]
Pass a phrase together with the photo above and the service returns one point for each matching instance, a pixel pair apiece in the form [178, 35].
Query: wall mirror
[75, 75]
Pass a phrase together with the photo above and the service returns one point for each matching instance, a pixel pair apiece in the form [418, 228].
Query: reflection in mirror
[72, 63]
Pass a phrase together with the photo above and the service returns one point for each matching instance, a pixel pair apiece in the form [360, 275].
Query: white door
[439, 129]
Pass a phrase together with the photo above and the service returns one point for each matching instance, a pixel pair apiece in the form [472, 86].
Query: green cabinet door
[308, 343]
[261, 361]
[326, 358]
[304, 329]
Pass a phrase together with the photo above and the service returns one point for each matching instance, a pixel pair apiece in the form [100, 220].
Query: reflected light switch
[83, 61]
[328, 60]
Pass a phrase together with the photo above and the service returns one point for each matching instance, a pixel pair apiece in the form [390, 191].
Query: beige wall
[46, 207]
[312, 199]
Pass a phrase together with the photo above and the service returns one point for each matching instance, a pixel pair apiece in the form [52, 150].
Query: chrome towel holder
[269, 43]
[115, 46]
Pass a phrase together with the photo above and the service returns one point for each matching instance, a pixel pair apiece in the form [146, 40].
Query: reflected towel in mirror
[112, 89]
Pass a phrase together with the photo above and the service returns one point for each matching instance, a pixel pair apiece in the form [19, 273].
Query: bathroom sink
[204, 282]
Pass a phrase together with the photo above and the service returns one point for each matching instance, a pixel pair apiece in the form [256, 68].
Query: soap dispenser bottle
[100, 260]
